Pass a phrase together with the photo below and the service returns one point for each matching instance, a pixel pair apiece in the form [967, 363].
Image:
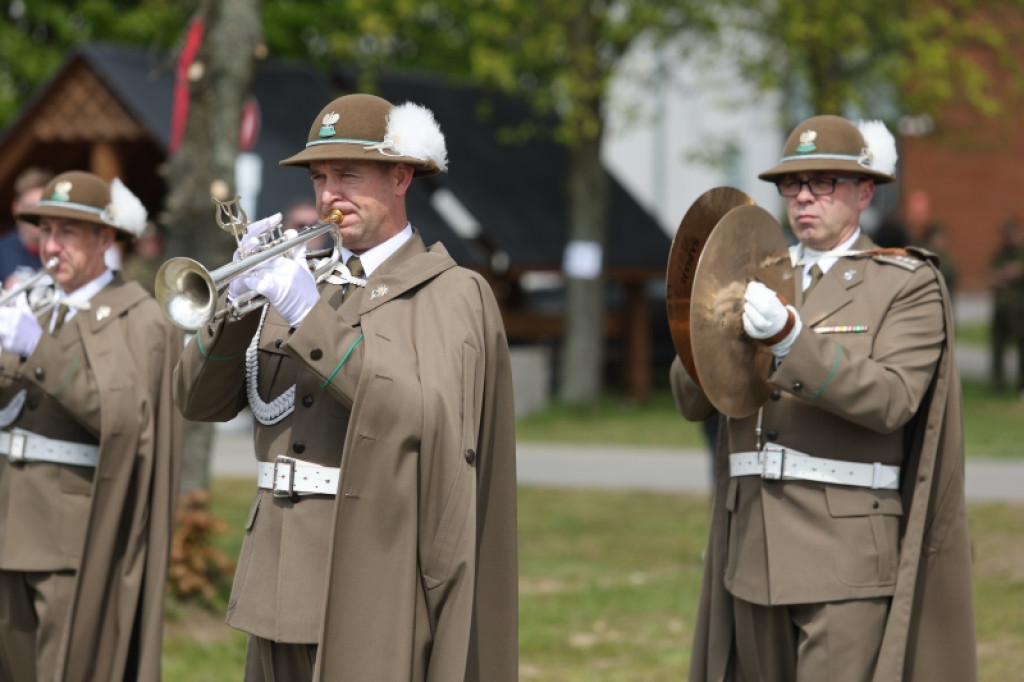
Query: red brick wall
[971, 166]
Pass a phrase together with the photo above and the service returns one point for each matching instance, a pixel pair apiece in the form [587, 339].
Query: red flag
[179, 111]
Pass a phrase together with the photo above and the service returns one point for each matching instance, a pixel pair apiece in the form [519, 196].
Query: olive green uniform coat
[418, 552]
[887, 391]
[110, 372]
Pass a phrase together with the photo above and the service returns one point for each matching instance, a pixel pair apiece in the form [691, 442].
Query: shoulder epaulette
[910, 258]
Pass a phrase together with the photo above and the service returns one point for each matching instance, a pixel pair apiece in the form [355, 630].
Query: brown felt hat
[80, 195]
[831, 143]
[76, 195]
[363, 127]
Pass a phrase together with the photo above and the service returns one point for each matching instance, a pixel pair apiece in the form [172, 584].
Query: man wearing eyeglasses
[839, 549]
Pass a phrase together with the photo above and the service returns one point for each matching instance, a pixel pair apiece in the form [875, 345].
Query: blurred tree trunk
[583, 353]
[203, 166]
[587, 219]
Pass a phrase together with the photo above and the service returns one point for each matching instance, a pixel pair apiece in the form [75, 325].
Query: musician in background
[838, 547]
[19, 248]
[384, 522]
[91, 453]
[302, 213]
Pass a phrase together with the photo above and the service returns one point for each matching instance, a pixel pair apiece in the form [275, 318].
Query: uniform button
[307, 400]
[278, 342]
[772, 435]
[797, 385]
[470, 456]
[33, 404]
[298, 447]
[874, 505]
[40, 373]
[776, 394]
[316, 354]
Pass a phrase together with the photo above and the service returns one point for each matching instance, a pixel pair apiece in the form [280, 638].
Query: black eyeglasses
[790, 187]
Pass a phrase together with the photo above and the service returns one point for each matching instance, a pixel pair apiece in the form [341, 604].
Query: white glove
[765, 318]
[19, 329]
[288, 285]
[247, 243]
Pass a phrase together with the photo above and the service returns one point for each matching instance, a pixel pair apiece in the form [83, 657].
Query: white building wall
[667, 142]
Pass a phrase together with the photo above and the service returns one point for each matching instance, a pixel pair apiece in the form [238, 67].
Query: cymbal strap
[786, 329]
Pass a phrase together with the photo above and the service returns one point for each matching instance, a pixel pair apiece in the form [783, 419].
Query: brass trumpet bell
[187, 292]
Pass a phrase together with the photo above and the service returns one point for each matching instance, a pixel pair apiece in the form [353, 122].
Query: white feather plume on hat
[881, 146]
[125, 210]
[412, 131]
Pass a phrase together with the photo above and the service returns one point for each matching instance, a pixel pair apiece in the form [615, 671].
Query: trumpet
[188, 292]
[38, 278]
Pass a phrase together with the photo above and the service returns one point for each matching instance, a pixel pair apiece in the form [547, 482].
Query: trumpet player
[90, 451]
[381, 541]
[838, 549]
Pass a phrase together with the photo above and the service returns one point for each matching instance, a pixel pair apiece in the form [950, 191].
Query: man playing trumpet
[838, 548]
[383, 528]
[91, 452]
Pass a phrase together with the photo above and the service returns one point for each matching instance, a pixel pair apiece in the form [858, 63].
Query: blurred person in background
[1006, 281]
[144, 256]
[19, 248]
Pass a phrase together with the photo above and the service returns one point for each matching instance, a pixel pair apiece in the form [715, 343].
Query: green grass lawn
[608, 589]
[609, 580]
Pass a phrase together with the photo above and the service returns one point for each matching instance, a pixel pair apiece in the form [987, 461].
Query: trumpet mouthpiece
[335, 216]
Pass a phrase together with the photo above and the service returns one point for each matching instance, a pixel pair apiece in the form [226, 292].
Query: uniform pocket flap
[856, 501]
[273, 336]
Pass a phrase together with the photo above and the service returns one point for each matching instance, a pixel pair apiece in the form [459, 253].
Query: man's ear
[402, 175]
[107, 235]
[865, 193]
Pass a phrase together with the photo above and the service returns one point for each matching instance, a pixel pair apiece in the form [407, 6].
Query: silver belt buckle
[18, 442]
[773, 460]
[289, 489]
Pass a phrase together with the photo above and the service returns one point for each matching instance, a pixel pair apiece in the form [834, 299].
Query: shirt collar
[826, 259]
[372, 258]
[82, 294]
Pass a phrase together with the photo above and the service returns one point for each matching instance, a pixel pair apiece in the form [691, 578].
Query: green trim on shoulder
[828, 379]
[341, 364]
[202, 351]
[67, 377]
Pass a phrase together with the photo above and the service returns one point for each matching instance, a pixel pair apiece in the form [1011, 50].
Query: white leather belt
[288, 476]
[778, 463]
[24, 446]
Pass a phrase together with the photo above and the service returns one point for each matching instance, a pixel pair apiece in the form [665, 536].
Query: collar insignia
[102, 313]
[379, 290]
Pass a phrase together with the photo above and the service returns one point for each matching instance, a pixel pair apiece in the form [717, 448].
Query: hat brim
[823, 165]
[354, 152]
[34, 214]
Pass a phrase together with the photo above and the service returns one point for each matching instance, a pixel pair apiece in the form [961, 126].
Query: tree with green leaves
[560, 55]
[911, 57]
[36, 35]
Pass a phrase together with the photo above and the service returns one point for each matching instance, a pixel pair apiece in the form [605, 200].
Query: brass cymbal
[687, 245]
[747, 244]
